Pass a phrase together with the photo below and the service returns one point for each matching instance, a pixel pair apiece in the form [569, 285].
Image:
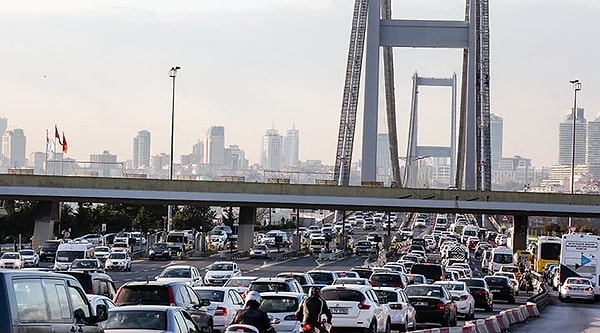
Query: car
[224, 303]
[465, 304]
[416, 278]
[48, 249]
[101, 252]
[11, 260]
[396, 267]
[99, 299]
[349, 274]
[187, 274]
[356, 307]
[149, 318]
[118, 261]
[166, 293]
[220, 271]
[348, 280]
[432, 272]
[281, 308]
[240, 283]
[363, 272]
[577, 288]
[90, 238]
[262, 285]
[480, 291]
[87, 265]
[465, 267]
[364, 247]
[501, 288]
[511, 268]
[389, 279]
[30, 258]
[159, 251]
[403, 315]
[94, 283]
[322, 276]
[259, 251]
[433, 303]
[302, 278]
[513, 280]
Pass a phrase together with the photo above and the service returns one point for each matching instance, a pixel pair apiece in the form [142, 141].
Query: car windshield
[221, 267]
[212, 295]
[176, 273]
[279, 304]
[342, 295]
[10, 256]
[27, 252]
[143, 294]
[117, 255]
[262, 287]
[161, 246]
[428, 291]
[455, 286]
[233, 282]
[578, 281]
[386, 296]
[321, 276]
[102, 249]
[149, 320]
[84, 264]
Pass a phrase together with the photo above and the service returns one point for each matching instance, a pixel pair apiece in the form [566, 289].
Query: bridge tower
[371, 32]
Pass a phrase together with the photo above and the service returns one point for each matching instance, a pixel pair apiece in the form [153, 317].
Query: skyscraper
[215, 146]
[593, 141]
[235, 158]
[106, 164]
[565, 139]
[496, 137]
[141, 150]
[291, 144]
[13, 148]
[271, 150]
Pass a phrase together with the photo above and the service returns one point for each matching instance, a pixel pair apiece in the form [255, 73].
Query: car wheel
[372, 328]
[560, 298]
[388, 326]
[446, 321]
[489, 308]
[511, 300]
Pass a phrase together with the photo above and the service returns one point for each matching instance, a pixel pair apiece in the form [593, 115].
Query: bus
[579, 257]
[547, 252]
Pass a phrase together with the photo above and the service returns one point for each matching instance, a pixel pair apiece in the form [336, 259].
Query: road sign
[103, 227]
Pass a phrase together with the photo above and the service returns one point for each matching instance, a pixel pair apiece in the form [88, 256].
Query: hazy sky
[99, 70]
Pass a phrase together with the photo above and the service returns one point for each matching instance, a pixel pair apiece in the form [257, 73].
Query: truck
[181, 242]
[579, 257]
[67, 252]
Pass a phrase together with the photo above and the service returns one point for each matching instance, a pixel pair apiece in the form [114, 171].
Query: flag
[64, 144]
[56, 135]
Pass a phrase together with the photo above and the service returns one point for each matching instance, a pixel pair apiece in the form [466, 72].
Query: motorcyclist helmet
[253, 296]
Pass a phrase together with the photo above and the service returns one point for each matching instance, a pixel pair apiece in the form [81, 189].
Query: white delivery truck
[67, 252]
[579, 257]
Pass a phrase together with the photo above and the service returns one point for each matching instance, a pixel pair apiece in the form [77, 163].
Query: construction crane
[345, 144]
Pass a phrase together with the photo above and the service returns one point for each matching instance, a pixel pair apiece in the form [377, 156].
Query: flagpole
[47, 143]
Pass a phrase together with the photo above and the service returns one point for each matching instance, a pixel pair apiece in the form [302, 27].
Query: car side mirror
[101, 313]
[204, 302]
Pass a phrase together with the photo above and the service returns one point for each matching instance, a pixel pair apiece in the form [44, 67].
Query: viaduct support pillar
[519, 235]
[47, 214]
[247, 221]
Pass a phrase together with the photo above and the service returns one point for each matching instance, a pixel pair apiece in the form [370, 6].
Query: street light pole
[172, 75]
[576, 87]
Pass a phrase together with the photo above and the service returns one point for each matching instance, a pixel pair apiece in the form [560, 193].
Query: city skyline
[99, 69]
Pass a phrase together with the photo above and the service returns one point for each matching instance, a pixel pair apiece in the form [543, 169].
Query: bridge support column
[519, 235]
[247, 221]
[48, 212]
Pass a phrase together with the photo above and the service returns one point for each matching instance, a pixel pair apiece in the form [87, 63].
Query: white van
[468, 231]
[67, 252]
[317, 244]
[501, 256]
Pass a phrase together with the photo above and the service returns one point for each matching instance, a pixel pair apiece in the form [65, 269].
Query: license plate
[421, 304]
[495, 290]
[339, 310]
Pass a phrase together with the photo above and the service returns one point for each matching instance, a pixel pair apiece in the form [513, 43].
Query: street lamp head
[574, 81]
[173, 71]
[576, 85]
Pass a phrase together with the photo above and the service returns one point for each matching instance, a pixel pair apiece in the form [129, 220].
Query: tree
[552, 229]
[193, 217]
[229, 217]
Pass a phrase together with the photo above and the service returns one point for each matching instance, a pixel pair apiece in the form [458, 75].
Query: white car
[101, 252]
[187, 274]
[577, 288]
[224, 303]
[30, 258]
[240, 283]
[118, 261]
[281, 308]
[259, 251]
[465, 305]
[11, 260]
[402, 313]
[219, 272]
[356, 306]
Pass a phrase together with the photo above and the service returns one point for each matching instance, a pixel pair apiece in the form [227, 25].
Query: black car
[48, 249]
[501, 288]
[167, 293]
[363, 272]
[432, 272]
[95, 283]
[433, 304]
[159, 251]
[480, 292]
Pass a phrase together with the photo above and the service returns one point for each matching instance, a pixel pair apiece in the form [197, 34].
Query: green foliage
[229, 217]
[553, 229]
[193, 217]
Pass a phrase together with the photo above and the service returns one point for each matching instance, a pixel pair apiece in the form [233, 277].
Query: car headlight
[151, 252]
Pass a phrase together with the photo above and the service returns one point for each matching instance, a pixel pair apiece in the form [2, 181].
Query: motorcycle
[241, 328]
[308, 328]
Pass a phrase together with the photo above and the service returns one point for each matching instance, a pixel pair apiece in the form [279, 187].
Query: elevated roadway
[215, 193]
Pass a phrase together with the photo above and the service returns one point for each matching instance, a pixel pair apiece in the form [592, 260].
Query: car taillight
[116, 297]
[306, 327]
[373, 283]
[463, 298]
[221, 311]
[589, 289]
[567, 288]
[480, 292]
[440, 306]
[396, 306]
[171, 297]
[290, 317]
[363, 306]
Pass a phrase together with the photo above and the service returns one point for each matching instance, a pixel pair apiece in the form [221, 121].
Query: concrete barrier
[491, 325]
[503, 322]
[532, 310]
[480, 326]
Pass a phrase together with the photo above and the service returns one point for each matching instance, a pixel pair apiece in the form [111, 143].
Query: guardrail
[542, 298]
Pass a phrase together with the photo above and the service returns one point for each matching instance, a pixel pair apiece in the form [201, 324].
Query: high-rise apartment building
[565, 139]
[106, 164]
[593, 141]
[13, 148]
[291, 148]
[271, 150]
[235, 158]
[496, 137]
[215, 146]
[37, 160]
[141, 150]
